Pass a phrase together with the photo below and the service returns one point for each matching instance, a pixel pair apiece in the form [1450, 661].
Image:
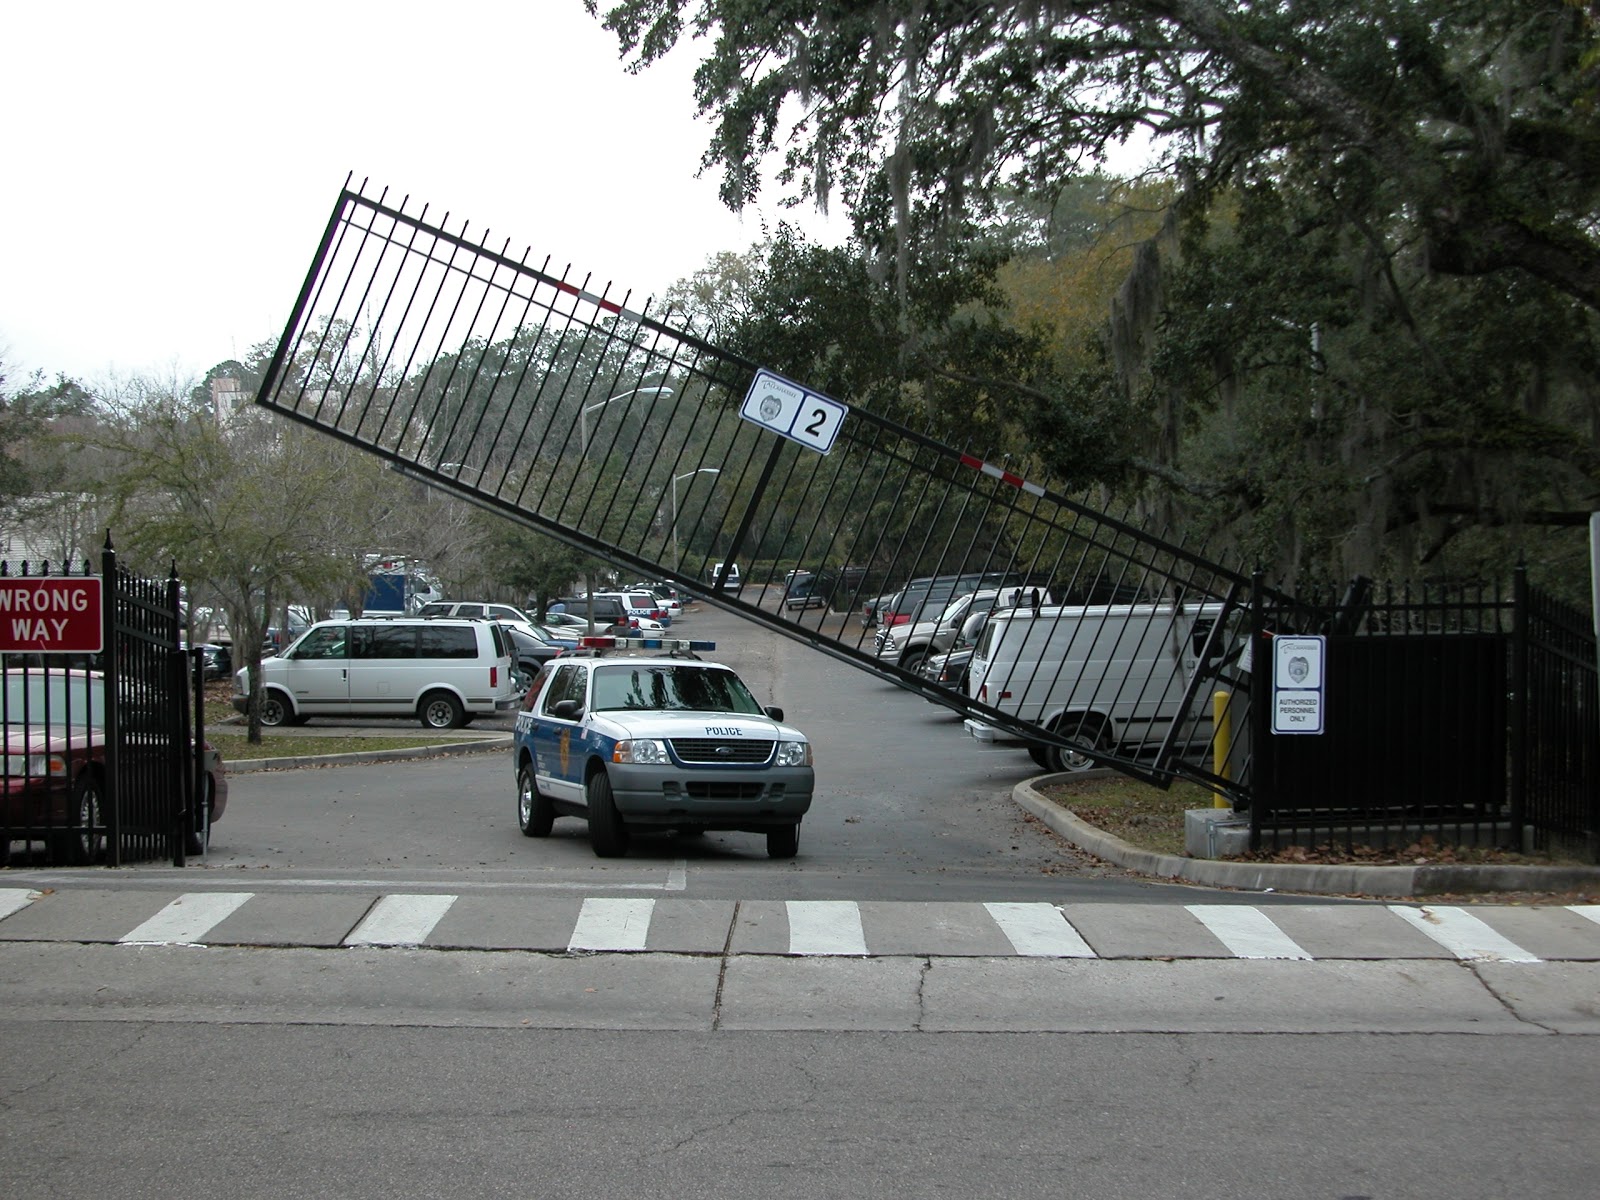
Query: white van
[1111, 676]
[731, 583]
[443, 671]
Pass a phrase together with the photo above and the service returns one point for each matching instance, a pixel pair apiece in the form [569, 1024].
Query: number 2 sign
[796, 412]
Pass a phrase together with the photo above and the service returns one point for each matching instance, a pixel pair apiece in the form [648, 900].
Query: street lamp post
[583, 441]
[677, 556]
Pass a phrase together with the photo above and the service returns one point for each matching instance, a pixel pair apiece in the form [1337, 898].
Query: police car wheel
[783, 841]
[535, 813]
[607, 834]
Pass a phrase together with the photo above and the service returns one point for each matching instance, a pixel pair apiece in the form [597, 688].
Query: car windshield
[672, 687]
[55, 700]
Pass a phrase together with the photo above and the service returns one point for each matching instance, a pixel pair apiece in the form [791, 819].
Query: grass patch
[236, 747]
[1152, 819]
[1137, 813]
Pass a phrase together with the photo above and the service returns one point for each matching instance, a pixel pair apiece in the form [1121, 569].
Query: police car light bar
[608, 642]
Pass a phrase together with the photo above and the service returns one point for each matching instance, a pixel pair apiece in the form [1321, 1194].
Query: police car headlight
[794, 754]
[648, 751]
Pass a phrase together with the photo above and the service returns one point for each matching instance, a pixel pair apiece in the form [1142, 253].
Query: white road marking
[1592, 911]
[825, 927]
[1464, 935]
[612, 925]
[1247, 932]
[1039, 931]
[187, 919]
[400, 921]
[678, 877]
[15, 900]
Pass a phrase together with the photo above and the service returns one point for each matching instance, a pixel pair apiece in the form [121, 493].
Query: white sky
[170, 165]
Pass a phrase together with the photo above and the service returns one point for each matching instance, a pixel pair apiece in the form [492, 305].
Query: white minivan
[1112, 676]
[442, 670]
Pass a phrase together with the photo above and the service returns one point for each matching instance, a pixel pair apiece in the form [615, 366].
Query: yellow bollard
[1220, 743]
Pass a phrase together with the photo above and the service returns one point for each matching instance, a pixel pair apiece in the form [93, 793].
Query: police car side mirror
[567, 710]
[773, 711]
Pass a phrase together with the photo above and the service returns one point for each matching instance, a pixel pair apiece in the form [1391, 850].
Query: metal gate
[104, 751]
[531, 394]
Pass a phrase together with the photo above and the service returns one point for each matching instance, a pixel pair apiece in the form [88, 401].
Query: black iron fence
[104, 756]
[1457, 717]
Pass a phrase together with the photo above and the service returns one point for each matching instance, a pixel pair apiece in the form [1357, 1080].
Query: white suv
[441, 670]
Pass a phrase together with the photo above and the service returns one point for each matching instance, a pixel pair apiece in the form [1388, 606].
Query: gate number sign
[796, 412]
[1297, 677]
[51, 615]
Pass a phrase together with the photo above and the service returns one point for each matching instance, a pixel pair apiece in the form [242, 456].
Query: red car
[54, 766]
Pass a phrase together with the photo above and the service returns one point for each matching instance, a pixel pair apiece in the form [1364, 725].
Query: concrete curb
[246, 766]
[1320, 879]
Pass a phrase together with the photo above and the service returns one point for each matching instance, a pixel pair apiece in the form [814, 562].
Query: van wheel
[535, 814]
[274, 712]
[441, 710]
[1088, 731]
[1040, 755]
[607, 834]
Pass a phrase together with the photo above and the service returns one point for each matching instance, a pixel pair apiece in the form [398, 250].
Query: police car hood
[631, 723]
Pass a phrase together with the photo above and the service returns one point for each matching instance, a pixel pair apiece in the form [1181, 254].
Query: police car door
[558, 738]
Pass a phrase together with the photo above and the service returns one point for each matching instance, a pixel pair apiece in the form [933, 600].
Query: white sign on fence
[1298, 664]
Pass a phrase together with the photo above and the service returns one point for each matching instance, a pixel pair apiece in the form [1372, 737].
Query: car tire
[607, 833]
[275, 711]
[535, 814]
[1040, 755]
[1092, 732]
[912, 660]
[441, 710]
[82, 845]
[783, 841]
[198, 837]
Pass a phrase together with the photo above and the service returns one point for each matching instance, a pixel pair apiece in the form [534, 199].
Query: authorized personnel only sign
[1298, 664]
[52, 615]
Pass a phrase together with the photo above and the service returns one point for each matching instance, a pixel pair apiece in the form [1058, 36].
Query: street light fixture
[583, 413]
[677, 556]
[583, 456]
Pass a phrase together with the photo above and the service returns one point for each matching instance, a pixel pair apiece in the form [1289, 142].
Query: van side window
[331, 641]
[392, 641]
[447, 641]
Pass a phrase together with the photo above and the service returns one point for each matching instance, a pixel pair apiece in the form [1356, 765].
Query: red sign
[55, 615]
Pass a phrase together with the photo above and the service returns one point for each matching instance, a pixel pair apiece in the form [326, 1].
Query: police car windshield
[673, 687]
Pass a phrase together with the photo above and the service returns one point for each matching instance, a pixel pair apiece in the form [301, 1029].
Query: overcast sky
[170, 165]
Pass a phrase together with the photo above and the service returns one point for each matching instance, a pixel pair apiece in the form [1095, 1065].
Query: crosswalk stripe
[825, 927]
[1247, 932]
[15, 900]
[400, 921]
[612, 925]
[1592, 911]
[1039, 931]
[187, 919]
[1464, 935]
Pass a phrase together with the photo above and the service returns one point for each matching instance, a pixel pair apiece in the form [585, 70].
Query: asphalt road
[907, 807]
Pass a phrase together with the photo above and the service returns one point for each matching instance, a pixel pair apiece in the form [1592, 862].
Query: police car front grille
[715, 790]
[721, 750]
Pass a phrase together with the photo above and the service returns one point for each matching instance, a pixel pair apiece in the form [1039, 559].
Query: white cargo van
[442, 670]
[1111, 676]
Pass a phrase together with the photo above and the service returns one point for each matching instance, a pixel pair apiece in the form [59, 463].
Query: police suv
[640, 733]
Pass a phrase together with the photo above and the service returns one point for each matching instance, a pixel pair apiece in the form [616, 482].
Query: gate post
[111, 809]
[1519, 700]
[1263, 792]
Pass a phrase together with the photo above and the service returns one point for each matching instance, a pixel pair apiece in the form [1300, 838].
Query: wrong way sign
[51, 615]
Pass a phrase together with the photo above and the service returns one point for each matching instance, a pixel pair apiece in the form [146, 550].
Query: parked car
[216, 660]
[629, 739]
[442, 670]
[828, 588]
[530, 651]
[730, 583]
[909, 644]
[473, 609]
[55, 763]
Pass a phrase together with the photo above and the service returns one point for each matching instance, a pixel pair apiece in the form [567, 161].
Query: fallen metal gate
[534, 396]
